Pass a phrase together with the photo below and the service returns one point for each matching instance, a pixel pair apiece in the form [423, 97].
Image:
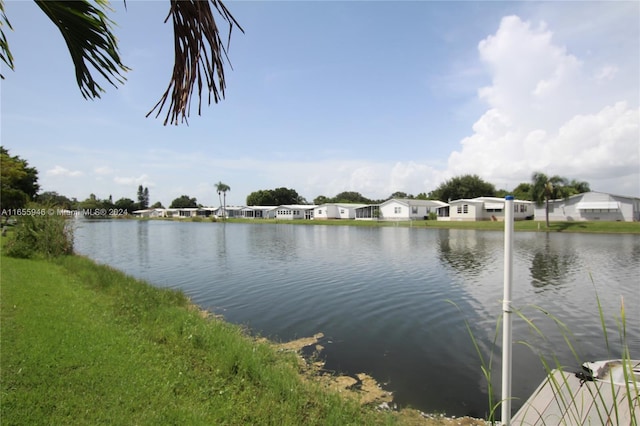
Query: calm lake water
[393, 302]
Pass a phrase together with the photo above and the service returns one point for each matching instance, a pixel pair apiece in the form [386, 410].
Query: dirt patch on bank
[362, 387]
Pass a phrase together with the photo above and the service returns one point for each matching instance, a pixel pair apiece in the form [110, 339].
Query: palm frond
[87, 31]
[199, 55]
[5, 52]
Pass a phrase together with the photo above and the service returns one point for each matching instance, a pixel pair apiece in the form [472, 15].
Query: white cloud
[103, 170]
[140, 180]
[62, 171]
[607, 72]
[546, 114]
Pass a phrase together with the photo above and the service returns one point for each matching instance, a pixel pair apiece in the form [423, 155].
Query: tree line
[19, 185]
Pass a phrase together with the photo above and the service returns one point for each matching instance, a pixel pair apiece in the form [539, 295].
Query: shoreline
[600, 227]
[102, 325]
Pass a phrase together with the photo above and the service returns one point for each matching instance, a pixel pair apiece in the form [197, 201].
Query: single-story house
[591, 206]
[149, 213]
[338, 211]
[408, 209]
[484, 208]
[295, 211]
[259, 212]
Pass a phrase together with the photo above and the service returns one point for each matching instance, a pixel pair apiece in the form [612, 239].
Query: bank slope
[85, 344]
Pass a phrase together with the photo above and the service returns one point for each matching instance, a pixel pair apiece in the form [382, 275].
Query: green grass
[524, 225]
[86, 344]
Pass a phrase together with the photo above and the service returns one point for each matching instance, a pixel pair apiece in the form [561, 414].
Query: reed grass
[551, 362]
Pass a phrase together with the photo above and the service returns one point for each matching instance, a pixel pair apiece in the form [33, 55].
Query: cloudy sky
[325, 97]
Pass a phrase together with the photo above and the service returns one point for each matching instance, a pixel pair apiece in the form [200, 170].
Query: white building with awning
[483, 208]
[592, 206]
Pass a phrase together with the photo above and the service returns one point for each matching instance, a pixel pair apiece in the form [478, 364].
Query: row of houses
[591, 206]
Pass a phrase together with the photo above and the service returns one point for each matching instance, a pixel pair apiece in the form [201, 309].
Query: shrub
[45, 233]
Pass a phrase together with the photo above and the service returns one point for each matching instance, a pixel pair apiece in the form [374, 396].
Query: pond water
[394, 302]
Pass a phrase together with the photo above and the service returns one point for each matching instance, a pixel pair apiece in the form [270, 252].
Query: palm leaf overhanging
[199, 54]
[87, 31]
[5, 53]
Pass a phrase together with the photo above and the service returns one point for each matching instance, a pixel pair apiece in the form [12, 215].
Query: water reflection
[142, 236]
[379, 294]
[552, 264]
[462, 250]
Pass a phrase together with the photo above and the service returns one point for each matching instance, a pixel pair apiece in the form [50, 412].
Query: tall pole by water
[506, 311]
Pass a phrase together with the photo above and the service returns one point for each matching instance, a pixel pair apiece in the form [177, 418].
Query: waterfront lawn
[85, 344]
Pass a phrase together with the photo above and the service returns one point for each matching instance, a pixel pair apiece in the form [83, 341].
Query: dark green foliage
[18, 181]
[466, 186]
[45, 233]
[183, 201]
[87, 31]
[126, 204]
[275, 197]
[346, 197]
[401, 195]
[143, 198]
[52, 198]
[350, 197]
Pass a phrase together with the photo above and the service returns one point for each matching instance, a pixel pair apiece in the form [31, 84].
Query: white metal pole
[506, 311]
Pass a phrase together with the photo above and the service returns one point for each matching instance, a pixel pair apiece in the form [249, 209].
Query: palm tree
[222, 189]
[198, 49]
[545, 188]
[579, 187]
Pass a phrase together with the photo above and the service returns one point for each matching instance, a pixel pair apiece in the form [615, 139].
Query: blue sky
[325, 97]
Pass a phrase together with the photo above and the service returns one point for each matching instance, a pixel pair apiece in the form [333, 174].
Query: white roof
[416, 202]
[297, 206]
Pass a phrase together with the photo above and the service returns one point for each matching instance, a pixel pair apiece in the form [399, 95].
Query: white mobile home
[338, 211]
[591, 206]
[259, 212]
[484, 208]
[408, 209]
[150, 213]
[295, 211]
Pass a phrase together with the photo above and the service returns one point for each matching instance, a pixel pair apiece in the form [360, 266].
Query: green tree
[544, 188]
[52, 198]
[350, 197]
[143, 198]
[465, 186]
[275, 197]
[262, 197]
[126, 204]
[578, 187]
[199, 49]
[522, 191]
[283, 196]
[157, 205]
[94, 205]
[18, 181]
[400, 195]
[222, 189]
[320, 199]
[183, 201]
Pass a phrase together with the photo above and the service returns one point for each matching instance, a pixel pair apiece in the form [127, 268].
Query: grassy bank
[524, 225]
[86, 344]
